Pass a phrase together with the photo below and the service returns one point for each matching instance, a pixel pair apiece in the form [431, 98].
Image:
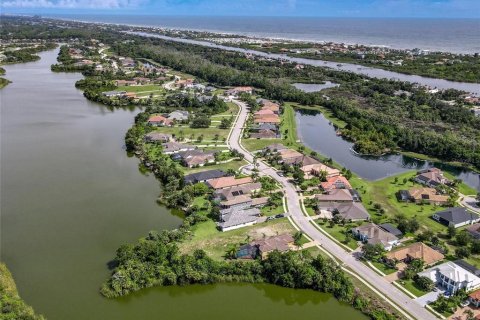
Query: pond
[314, 87]
[71, 196]
[319, 134]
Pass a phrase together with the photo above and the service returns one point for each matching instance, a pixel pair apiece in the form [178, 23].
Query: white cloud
[71, 3]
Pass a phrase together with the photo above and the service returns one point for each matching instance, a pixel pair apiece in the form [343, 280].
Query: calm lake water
[314, 87]
[320, 135]
[70, 197]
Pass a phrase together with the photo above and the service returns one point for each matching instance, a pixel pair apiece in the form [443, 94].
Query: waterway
[71, 196]
[368, 71]
[319, 134]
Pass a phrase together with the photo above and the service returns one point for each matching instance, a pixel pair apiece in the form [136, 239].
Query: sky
[318, 8]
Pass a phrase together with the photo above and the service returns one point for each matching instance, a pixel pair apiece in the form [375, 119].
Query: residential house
[119, 83]
[269, 105]
[263, 112]
[391, 229]
[427, 195]
[173, 147]
[155, 136]
[474, 298]
[267, 118]
[160, 121]
[142, 80]
[236, 218]
[239, 90]
[432, 177]
[416, 250]
[452, 277]
[350, 211]
[316, 169]
[286, 154]
[474, 230]
[456, 217]
[403, 195]
[335, 195]
[195, 158]
[226, 182]
[114, 93]
[275, 147]
[241, 201]
[203, 176]
[179, 115]
[301, 161]
[265, 126]
[338, 182]
[235, 191]
[372, 234]
[264, 134]
[282, 243]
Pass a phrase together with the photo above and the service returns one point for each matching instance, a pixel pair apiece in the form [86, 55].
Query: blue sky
[321, 8]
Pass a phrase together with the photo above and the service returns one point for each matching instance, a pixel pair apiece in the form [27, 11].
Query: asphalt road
[382, 286]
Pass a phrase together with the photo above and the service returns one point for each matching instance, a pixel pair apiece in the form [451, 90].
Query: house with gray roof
[179, 115]
[373, 234]
[456, 217]
[237, 218]
[203, 176]
[173, 147]
[155, 136]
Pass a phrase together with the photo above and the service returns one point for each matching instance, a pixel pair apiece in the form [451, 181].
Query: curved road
[382, 286]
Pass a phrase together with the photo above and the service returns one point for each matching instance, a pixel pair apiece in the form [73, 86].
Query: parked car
[280, 173]
[281, 215]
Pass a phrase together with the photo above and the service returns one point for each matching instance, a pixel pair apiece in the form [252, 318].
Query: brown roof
[226, 182]
[236, 200]
[289, 153]
[335, 195]
[475, 295]
[417, 250]
[427, 194]
[267, 118]
[259, 201]
[280, 243]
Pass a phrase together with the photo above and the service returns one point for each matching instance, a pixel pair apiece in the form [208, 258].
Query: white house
[452, 277]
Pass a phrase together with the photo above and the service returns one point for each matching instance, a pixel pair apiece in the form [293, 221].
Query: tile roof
[226, 182]
[417, 250]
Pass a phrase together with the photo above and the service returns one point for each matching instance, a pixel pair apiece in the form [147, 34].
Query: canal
[71, 196]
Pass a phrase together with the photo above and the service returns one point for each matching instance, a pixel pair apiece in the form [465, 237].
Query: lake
[71, 196]
[320, 135]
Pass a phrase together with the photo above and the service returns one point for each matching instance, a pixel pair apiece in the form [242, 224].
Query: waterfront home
[416, 250]
[203, 176]
[265, 126]
[195, 158]
[239, 90]
[264, 134]
[179, 115]
[119, 83]
[338, 182]
[236, 218]
[263, 112]
[456, 217]
[241, 201]
[474, 230]
[266, 118]
[431, 177]
[427, 195]
[226, 182]
[111, 94]
[452, 277]
[316, 169]
[283, 243]
[159, 121]
[157, 137]
[269, 105]
[130, 95]
[301, 161]
[391, 229]
[370, 233]
[235, 191]
[173, 147]
[350, 211]
[286, 154]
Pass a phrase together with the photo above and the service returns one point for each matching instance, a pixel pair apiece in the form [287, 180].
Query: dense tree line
[11, 305]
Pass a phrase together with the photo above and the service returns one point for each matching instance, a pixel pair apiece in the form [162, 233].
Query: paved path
[385, 289]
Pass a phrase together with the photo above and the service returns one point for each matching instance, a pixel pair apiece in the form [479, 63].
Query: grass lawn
[383, 192]
[217, 243]
[310, 211]
[235, 165]
[411, 287]
[258, 144]
[232, 110]
[383, 267]
[149, 87]
[273, 210]
[338, 232]
[189, 133]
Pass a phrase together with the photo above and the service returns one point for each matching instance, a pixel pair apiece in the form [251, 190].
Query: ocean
[452, 35]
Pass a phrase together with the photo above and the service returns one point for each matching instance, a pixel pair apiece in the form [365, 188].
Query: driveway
[429, 297]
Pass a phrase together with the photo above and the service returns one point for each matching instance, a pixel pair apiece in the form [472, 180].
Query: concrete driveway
[429, 297]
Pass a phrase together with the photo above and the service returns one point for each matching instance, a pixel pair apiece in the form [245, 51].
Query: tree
[424, 283]
[462, 252]
[476, 246]
[297, 238]
[371, 251]
[463, 238]
[451, 232]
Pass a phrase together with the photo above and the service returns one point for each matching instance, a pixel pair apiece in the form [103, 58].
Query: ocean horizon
[451, 35]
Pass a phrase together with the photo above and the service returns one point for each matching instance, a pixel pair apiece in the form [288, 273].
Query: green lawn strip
[310, 211]
[411, 287]
[188, 133]
[235, 165]
[383, 267]
[338, 232]
[258, 144]
[216, 243]
[150, 87]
